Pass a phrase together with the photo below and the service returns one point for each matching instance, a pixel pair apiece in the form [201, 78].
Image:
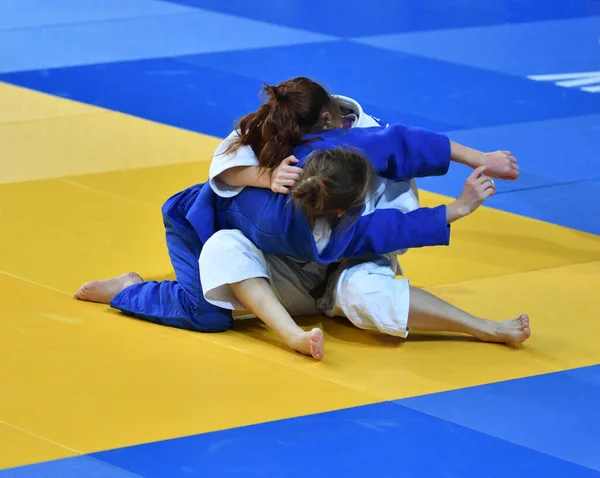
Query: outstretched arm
[397, 152]
[500, 164]
[388, 230]
[401, 152]
[416, 152]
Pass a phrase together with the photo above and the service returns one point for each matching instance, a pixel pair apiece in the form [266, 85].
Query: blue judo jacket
[278, 226]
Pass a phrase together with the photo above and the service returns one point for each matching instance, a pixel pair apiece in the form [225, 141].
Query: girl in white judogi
[364, 290]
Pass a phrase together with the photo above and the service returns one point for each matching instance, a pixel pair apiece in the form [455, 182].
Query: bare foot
[103, 291]
[513, 331]
[309, 343]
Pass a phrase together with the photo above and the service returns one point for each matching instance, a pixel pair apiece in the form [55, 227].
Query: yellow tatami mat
[78, 377]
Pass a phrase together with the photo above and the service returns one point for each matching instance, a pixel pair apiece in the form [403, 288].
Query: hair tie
[280, 97]
[310, 179]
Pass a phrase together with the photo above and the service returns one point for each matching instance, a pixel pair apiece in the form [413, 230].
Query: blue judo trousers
[276, 226]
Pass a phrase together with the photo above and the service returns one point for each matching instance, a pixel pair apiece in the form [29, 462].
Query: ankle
[293, 337]
[485, 329]
[126, 285]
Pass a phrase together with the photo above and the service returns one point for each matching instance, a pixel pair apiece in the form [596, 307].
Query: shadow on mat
[337, 328]
[334, 328]
[340, 329]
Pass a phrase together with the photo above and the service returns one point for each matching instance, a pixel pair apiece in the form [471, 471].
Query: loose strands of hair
[290, 110]
[279, 131]
[336, 179]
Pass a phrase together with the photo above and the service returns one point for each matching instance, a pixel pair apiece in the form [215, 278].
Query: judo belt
[320, 290]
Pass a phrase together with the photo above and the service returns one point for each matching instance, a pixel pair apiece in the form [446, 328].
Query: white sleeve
[222, 161]
[366, 121]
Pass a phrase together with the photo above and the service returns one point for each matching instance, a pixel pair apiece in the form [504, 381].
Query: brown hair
[335, 179]
[291, 110]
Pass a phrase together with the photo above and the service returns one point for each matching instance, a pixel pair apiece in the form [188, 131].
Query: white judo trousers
[365, 291]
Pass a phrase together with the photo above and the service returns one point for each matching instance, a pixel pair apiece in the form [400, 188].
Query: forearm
[465, 155]
[388, 230]
[246, 176]
[455, 211]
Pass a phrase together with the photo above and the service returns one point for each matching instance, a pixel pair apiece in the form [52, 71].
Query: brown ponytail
[334, 180]
[290, 110]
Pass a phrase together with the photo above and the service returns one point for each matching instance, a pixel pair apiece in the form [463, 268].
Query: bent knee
[356, 291]
[227, 242]
[365, 279]
[213, 321]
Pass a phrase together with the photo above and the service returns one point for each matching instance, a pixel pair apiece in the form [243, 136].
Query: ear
[326, 117]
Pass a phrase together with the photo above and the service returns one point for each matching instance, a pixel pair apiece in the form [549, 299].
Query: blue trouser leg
[178, 303]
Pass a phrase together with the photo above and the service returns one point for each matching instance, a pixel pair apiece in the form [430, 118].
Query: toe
[317, 343]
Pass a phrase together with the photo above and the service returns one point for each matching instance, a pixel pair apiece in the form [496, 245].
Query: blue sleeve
[389, 230]
[402, 152]
[397, 152]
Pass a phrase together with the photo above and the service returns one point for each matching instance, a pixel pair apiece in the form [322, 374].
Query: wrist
[456, 210]
[467, 156]
[476, 159]
[482, 160]
[265, 178]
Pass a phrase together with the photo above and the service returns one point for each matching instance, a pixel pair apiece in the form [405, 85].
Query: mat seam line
[40, 437]
[100, 21]
[494, 436]
[79, 454]
[101, 191]
[542, 186]
[53, 118]
[14, 276]
[447, 198]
